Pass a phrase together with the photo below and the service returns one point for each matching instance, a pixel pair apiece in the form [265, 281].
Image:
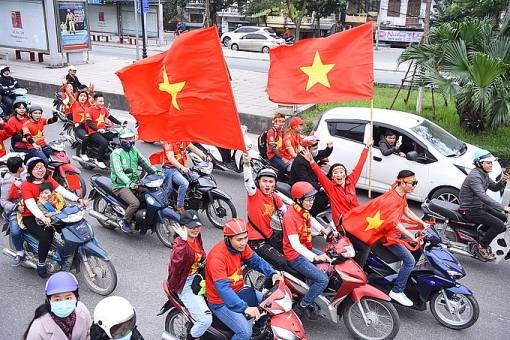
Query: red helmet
[234, 226]
[309, 141]
[302, 190]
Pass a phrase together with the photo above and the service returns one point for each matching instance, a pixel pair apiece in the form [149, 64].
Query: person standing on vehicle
[7, 85]
[78, 108]
[95, 117]
[10, 199]
[274, 144]
[298, 249]
[62, 316]
[291, 144]
[389, 145]
[302, 171]
[37, 174]
[16, 123]
[477, 206]
[114, 319]
[33, 132]
[124, 162]
[224, 279]
[187, 258]
[174, 168]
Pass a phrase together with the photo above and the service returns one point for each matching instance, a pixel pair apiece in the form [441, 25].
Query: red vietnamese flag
[322, 70]
[376, 218]
[184, 94]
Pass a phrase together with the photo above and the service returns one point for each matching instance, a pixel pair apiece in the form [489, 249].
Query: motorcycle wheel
[165, 232]
[60, 112]
[384, 322]
[84, 165]
[253, 278]
[177, 324]
[219, 211]
[104, 280]
[101, 206]
[465, 314]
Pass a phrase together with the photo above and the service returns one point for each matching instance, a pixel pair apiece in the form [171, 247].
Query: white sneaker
[100, 164]
[85, 158]
[401, 298]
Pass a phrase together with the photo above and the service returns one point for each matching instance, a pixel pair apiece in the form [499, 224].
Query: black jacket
[77, 86]
[386, 148]
[301, 169]
[97, 333]
[8, 84]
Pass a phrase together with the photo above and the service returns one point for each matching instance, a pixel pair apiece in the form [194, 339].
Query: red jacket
[181, 260]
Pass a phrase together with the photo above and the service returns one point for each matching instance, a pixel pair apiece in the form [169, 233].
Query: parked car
[257, 42]
[241, 31]
[440, 161]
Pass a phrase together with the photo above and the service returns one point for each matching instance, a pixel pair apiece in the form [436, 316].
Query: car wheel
[447, 194]
[226, 41]
[265, 49]
[234, 47]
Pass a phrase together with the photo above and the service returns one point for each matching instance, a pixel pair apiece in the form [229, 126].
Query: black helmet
[34, 108]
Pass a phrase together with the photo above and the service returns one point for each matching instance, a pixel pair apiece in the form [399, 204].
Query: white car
[241, 31]
[257, 42]
[440, 161]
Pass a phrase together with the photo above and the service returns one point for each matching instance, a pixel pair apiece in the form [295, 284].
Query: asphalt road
[141, 264]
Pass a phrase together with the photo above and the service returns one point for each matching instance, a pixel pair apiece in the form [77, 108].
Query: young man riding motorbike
[224, 279]
[477, 206]
[124, 162]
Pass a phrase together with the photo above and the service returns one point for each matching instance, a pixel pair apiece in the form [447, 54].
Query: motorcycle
[283, 324]
[58, 104]
[153, 214]
[367, 312]
[433, 280]
[15, 94]
[461, 236]
[217, 160]
[76, 248]
[62, 171]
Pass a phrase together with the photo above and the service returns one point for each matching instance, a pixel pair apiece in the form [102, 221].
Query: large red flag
[184, 94]
[322, 70]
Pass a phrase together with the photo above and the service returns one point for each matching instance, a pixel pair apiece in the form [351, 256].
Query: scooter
[58, 105]
[76, 248]
[460, 236]
[217, 160]
[153, 214]
[433, 280]
[21, 94]
[367, 312]
[283, 324]
[203, 194]
[62, 171]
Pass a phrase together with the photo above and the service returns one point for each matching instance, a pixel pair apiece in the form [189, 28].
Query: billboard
[22, 25]
[400, 36]
[72, 25]
[103, 18]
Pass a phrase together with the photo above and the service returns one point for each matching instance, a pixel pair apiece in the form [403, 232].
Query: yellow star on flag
[38, 136]
[318, 72]
[269, 210]
[100, 119]
[236, 276]
[173, 89]
[374, 222]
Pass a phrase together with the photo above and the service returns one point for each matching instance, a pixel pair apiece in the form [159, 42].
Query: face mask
[63, 309]
[126, 336]
[127, 145]
[315, 153]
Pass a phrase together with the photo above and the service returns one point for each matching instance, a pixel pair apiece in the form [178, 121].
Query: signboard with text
[400, 36]
[73, 28]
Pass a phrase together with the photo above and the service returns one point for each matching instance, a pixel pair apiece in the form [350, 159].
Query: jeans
[408, 262]
[15, 230]
[237, 321]
[43, 154]
[7, 100]
[490, 218]
[173, 175]
[308, 269]
[281, 166]
[198, 308]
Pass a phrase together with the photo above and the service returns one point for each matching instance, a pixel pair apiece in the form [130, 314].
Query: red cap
[295, 121]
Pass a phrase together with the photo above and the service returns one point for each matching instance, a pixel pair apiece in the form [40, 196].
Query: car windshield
[443, 141]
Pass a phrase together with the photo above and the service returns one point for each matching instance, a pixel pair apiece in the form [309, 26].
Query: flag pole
[370, 149]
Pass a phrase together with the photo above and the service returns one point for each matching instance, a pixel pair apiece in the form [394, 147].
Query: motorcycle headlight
[155, 183]
[349, 252]
[282, 333]
[206, 168]
[455, 275]
[73, 218]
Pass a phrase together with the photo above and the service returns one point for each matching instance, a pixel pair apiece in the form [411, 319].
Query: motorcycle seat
[105, 183]
[446, 209]
[284, 188]
[384, 253]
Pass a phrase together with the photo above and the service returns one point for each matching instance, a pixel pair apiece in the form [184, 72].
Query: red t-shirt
[179, 150]
[97, 116]
[17, 126]
[260, 210]
[36, 130]
[31, 190]
[68, 107]
[78, 111]
[296, 221]
[198, 256]
[271, 138]
[221, 264]
[293, 141]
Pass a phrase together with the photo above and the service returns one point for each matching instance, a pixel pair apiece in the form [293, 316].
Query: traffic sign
[144, 5]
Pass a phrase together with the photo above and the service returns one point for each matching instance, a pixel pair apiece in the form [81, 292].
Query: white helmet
[115, 315]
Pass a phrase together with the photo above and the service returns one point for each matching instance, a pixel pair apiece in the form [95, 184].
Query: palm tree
[468, 62]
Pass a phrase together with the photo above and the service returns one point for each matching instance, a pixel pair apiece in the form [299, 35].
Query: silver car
[256, 42]
[241, 31]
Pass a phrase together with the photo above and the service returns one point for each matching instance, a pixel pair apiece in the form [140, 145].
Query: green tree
[323, 9]
[295, 10]
[469, 64]
[263, 8]
[457, 10]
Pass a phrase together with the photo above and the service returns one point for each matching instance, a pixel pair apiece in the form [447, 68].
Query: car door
[245, 42]
[257, 41]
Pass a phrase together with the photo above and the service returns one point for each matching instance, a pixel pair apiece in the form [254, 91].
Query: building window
[196, 18]
[394, 8]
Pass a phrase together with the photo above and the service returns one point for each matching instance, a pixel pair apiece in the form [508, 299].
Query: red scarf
[66, 324]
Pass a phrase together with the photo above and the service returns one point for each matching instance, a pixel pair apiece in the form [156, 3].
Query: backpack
[262, 142]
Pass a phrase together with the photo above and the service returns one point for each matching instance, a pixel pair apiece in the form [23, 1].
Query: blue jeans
[197, 306]
[173, 175]
[408, 262]
[15, 230]
[308, 269]
[237, 321]
[281, 166]
[43, 154]
[7, 100]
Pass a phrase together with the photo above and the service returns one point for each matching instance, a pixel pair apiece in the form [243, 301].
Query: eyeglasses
[39, 168]
[309, 199]
[413, 183]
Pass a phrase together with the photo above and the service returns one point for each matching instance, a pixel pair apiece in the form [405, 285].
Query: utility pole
[425, 40]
